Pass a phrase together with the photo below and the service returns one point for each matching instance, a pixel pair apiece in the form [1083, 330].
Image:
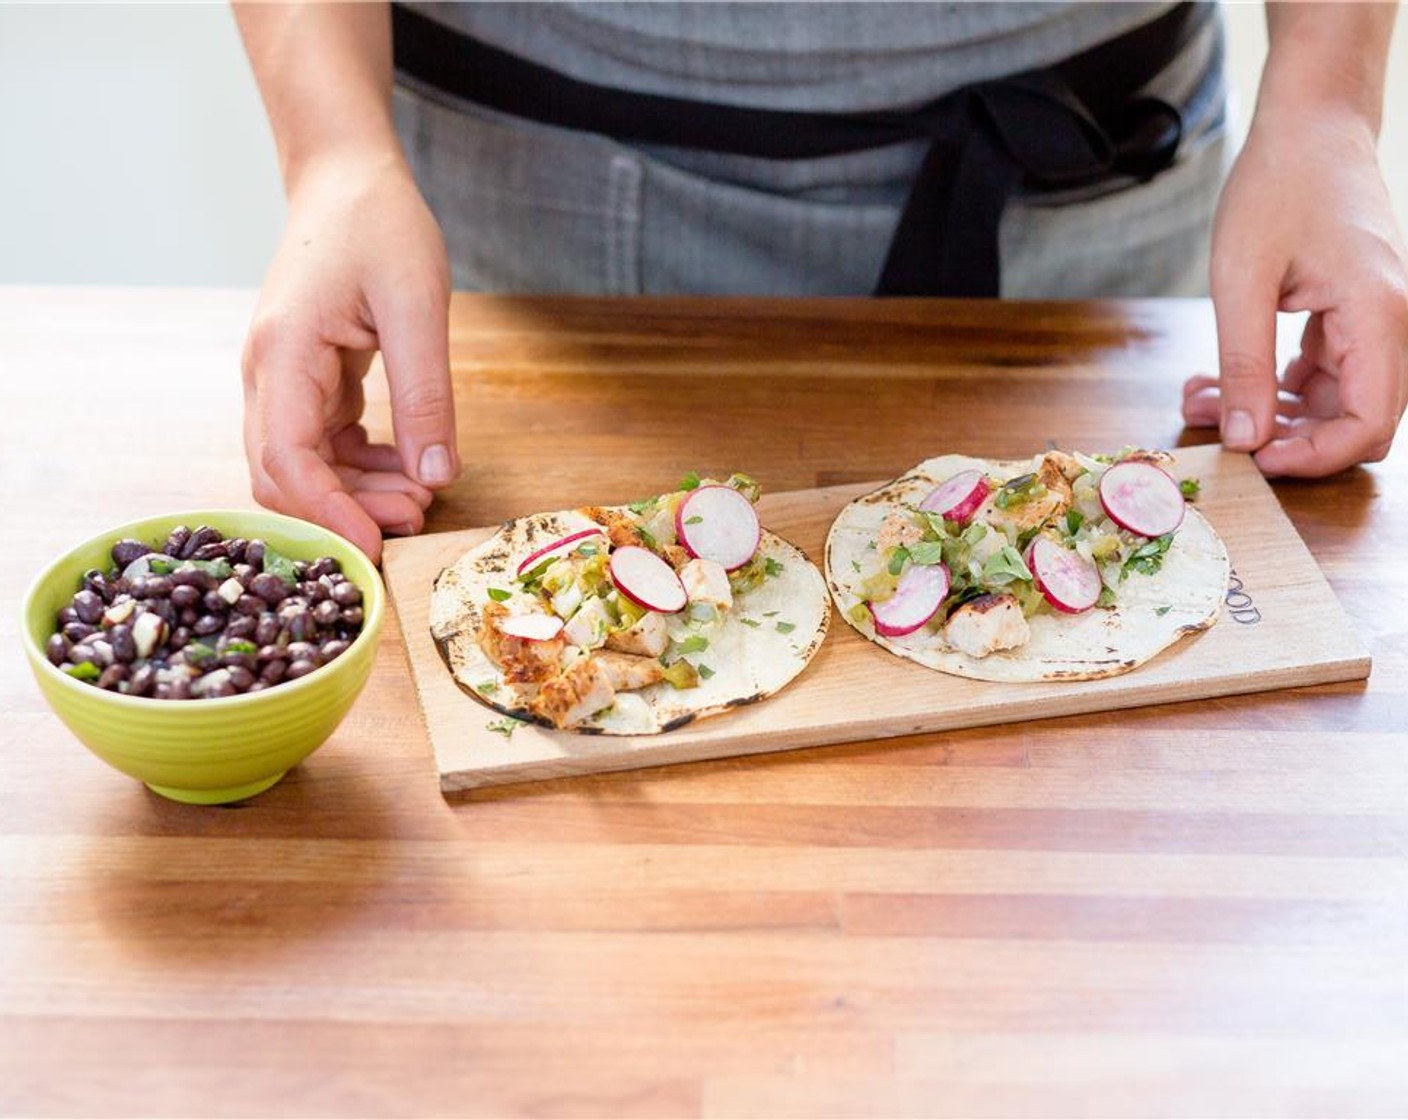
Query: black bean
[196, 654]
[313, 591]
[245, 573]
[163, 692]
[180, 688]
[213, 603]
[215, 550]
[127, 550]
[187, 576]
[81, 652]
[202, 536]
[208, 624]
[251, 606]
[67, 615]
[89, 606]
[113, 674]
[176, 541]
[254, 552]
[158, 587]
[180, 635]
[123, 647]
[273, 671]
[241, 626]
[353, 617]
[300, 626]
[56, 649]
[163, 609]
[188, 616]
[240, 677]
[257, 686]
[142, 681]
[234, 549]
[184, 595]
[299, 668]
[327, 613]
[334, 648]
[302, 651]
[77, 631]
[346, 594]
[324, 565]
[300, 569]
[269, 587]
[102, 651]
[266, 632]
[96, 582]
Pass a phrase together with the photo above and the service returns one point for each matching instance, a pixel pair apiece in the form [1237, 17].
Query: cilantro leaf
[498, 594]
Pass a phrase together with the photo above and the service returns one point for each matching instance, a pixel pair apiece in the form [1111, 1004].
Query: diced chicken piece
[705, 581]
[1158, 458]
[1066, 463]
[575, 693]
[1053, 477]
[987, 624]
[647, 637]
[676, 556]
[587, 628]
[1030, 514]
[621, 530]
[522, 660]
[897, 529]
[628, 672]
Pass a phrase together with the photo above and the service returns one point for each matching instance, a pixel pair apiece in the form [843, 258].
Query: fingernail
[1238, 431]
[435, 468]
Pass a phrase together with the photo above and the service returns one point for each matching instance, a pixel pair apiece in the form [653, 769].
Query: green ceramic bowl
[206, 751]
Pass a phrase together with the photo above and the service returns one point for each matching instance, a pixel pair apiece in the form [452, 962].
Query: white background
[135, 149]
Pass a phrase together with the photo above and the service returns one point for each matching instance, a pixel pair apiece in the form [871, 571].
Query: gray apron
[527, 207]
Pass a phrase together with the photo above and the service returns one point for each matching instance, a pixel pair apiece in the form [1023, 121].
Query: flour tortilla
[1098, 643]
[749, 663]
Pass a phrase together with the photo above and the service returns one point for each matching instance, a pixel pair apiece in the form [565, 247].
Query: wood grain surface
[1282, 628]
[1184, 909]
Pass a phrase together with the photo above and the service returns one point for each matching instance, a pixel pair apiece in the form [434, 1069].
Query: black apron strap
[1061, 126]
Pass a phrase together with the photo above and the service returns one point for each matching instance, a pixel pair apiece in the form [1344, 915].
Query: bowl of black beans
[205, 653]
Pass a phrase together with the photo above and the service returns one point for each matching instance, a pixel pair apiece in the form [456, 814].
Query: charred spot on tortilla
[744, 701]
[679, 721]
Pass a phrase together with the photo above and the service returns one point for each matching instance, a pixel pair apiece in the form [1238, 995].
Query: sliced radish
[718, 523]
[958, 498]
[1142, 498]
[1070, 582]
[921, 591]
[646, 580]
[532, 627]
[558, 548]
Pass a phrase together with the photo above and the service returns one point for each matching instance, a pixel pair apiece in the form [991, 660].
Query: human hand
[1305, 224]
[362, 266]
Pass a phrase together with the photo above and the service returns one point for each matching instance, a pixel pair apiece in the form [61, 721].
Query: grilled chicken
[523, 660]
[987, 624]
[575, 693]
[1052, 473]
[628, 672]
[705, 581]
[897, 529]
[620, 529]
[647, 638]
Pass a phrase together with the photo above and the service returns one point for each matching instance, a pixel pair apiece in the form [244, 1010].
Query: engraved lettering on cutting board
[1239, 602]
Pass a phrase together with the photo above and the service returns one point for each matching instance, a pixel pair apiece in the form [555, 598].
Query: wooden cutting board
[1280, 627]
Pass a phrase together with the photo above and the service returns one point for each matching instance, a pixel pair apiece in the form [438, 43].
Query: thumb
[414, 332]
[1245, 305]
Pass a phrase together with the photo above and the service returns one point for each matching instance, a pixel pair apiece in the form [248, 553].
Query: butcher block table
[1187, 909]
